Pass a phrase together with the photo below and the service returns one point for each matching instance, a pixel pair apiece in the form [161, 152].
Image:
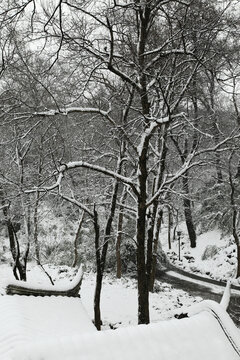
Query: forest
[117, 117]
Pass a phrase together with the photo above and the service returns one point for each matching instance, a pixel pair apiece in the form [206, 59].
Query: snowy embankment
[220, 265]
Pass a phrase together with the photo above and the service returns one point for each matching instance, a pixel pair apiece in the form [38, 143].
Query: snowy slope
[222, 266]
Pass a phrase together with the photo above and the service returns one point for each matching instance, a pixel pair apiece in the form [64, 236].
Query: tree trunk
[169, 229]
[25, 206]
[144, 17]
[157, 213]
[235, 235]
[217, 155]
[35, 229]
[188, 212]
[25, 213]
[175, 226]
[97, 294]
[151, 221]
[157, 227]
[187, 203]
[19, 269]
[143, 301]
[76, 241]
[101, 256]
[118, 243]
[143, 294]
[215, 129]
[238, 260]
[35, 214]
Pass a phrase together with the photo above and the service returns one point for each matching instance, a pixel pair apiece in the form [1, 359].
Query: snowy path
[206, 288]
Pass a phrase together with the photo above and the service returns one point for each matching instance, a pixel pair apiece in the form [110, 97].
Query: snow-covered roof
[59, 329]
[72, 288]
[27, 320]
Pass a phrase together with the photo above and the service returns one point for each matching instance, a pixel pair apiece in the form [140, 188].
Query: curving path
[200, 286]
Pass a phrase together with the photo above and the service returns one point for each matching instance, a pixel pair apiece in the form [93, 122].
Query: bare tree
[145, 46]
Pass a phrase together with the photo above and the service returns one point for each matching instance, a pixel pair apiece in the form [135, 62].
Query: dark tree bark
[188, 212]
[158, 222]
[97, 294]
[101, 255]
[118, 244]
[185, 185]
[155, 217]
[19, 266]
[35, 228]
[216, 136]
[76, 241]
[169, 228]
[119, 234]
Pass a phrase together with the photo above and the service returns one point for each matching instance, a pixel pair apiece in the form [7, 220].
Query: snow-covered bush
[59, 253]
[210, 252]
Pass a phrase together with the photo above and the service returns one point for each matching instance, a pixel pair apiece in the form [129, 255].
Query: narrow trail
[200, 286]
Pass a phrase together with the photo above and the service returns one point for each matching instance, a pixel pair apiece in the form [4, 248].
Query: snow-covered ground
[119, 301]
[119, 297]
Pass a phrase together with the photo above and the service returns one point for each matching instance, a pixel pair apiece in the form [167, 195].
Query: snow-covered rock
[209, 252]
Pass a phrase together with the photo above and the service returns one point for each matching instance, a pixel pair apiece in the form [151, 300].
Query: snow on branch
[189, 164]
[169, 180]
[218, 146]
[164, 53]
[56, 185]
[71, 110]
[103, 170]
[127, 207]
[168, 52]
[4, 206]
[77, 109]
[83, 164]
[79, 204]
[155, 122]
